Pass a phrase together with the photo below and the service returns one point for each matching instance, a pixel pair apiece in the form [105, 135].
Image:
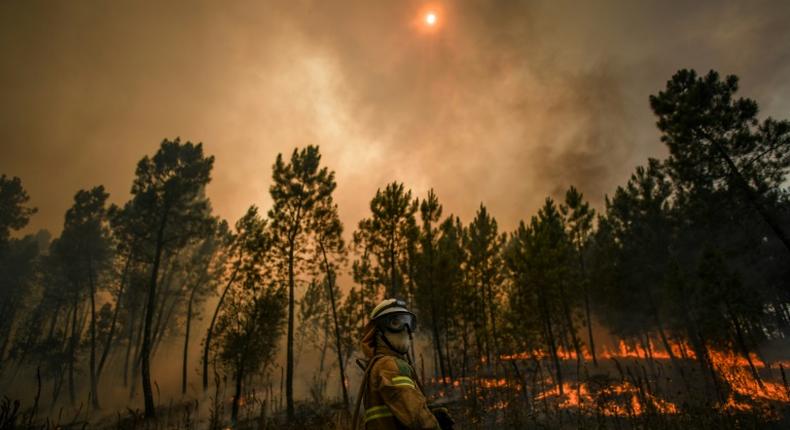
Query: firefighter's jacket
[392, 397]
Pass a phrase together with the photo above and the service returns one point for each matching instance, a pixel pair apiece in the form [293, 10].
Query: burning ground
[632, 386]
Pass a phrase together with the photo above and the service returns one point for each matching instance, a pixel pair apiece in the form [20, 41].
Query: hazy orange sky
[504, 103]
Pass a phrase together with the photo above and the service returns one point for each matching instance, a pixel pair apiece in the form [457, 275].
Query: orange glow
[493, 383]
[735, 370]
[500, 405]
[624, 399]
[637, 351]
[748, 393]
[430, 18]
[540, 355]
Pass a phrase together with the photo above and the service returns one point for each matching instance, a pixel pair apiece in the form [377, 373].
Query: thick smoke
[506, 103]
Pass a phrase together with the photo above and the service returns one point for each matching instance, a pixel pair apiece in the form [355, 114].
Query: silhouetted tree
[484, 248]
[385, 235]
[315, 320]
[449, 279]
[331, 253]
[14, 214]
[84, 248]
[15, 258]
[251, 321]
[170, 211]
[245, 250]
[299, 187]
[633, 246]
[715, 140]
[19, 265]
[200, 277]
[428, 293]
[538, 260]
[579, 223]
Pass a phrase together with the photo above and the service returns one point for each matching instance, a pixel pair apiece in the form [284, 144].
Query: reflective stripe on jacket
[392, 398]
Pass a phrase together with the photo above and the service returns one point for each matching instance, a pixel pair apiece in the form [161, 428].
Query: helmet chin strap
[411, 346]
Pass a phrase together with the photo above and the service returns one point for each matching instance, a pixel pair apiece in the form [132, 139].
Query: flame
[751, 390]
[576, 396]
[562, 354]
[502, 404]
[623, 350]
[493, 383]
[735, 370]
[616, 400]
[437, 380]
[733, 405]
[637, 351]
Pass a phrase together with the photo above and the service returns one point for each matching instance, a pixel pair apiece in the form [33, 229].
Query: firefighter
[393, 396]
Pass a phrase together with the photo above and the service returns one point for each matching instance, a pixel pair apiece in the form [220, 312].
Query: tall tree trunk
[186, 340]
[234, 414]
[65, 345]
[555, 357]
[148, 393]
[700, 348]
[447, 359]
[464, 352]
[289, 377]
[131, 336]
[492, 315]
[741, 342]
[94, 379]
[587, 313]
[672, 357]
[111, 334]
[137, 359]
[484, 319]
[9, 315]
[165, 292]
[437, 340]
[330, 278]
[551, 340]
[571, 330]
[53, 322]
[479, 350]
[701, 351]
[159, 334]
[664, 340]
[57, 385]
[210, 331]
[438, 347]
[73, 351]
[324, 346]
[589, 325]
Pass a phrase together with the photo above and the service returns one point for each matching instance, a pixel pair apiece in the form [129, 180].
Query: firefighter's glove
[443, 417]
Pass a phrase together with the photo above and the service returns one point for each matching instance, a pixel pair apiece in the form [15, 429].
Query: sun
[430, 18]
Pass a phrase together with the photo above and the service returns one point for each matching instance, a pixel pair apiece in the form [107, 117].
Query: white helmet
[393, 315]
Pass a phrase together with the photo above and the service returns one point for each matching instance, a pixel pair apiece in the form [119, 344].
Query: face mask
[399, 341]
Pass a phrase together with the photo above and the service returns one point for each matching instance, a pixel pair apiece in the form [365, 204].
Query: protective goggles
[398, 322]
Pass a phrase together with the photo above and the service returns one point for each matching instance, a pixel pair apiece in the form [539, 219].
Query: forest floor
[620, 394]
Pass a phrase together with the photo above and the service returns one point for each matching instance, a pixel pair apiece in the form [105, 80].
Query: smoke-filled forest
[668, 307]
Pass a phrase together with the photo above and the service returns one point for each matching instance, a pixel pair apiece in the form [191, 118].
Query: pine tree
[169, 210]
[300, 186]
